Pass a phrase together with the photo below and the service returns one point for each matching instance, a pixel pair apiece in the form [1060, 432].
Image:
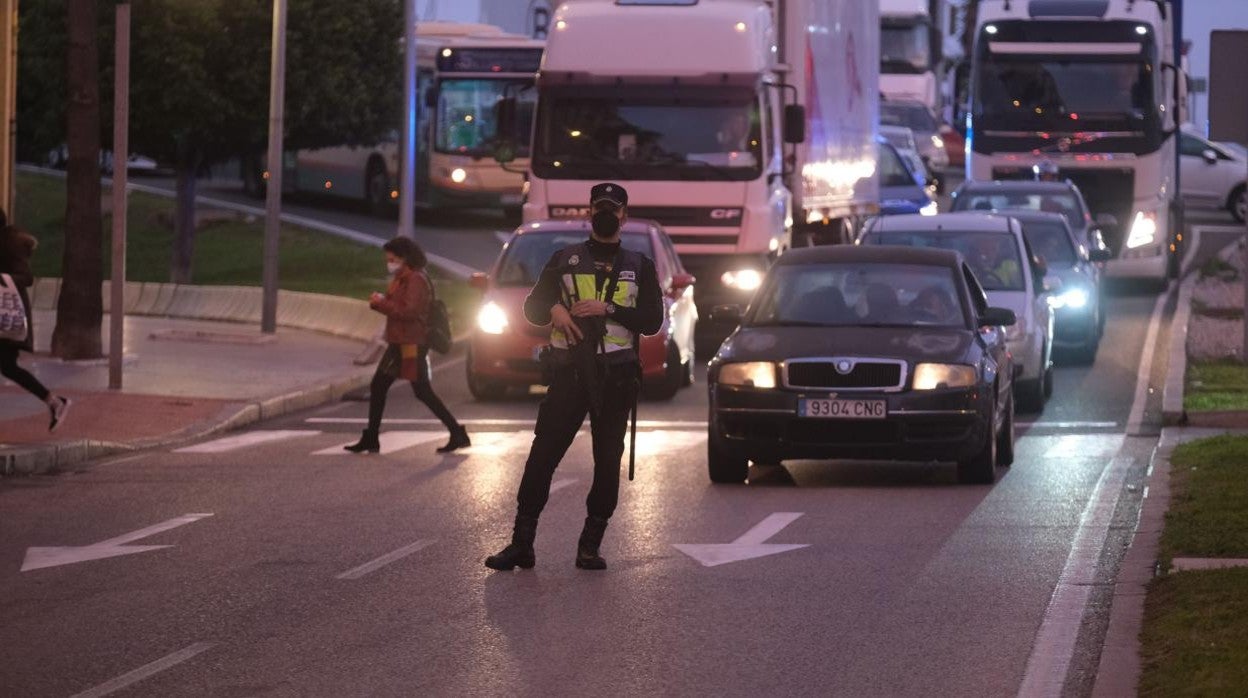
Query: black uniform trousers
[560, 416]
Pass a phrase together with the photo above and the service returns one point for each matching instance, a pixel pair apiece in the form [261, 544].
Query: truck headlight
[934, 376]
[931, 209]
[1143, 230]
[491, 319]
[1070, 298]
[752, 374]
[742, 279]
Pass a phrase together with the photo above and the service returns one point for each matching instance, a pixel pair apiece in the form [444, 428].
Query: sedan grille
[846, 373]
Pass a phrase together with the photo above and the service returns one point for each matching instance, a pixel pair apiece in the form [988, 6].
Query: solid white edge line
[373, 565]
[145, 671]
[1145, 371]
[1054, 645]
[485, 422]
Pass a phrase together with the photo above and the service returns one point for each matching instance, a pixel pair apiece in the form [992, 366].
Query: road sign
[753, 543]
[38, 558]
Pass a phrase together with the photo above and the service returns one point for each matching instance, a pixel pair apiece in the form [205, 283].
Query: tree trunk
[80, 307]
[183, 222]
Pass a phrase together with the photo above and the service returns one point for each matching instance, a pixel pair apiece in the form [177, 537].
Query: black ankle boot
[459, 439]
[587, 557]
[520, 552]
[368, 442]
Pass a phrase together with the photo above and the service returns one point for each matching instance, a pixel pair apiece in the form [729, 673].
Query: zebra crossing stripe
[245, 440]
[391, 441]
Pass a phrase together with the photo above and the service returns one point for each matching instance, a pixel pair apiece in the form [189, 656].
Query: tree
[79, 309]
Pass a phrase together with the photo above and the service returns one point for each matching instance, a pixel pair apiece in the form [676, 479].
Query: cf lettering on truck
[743, 126]
[463, 71]
[1095, 88]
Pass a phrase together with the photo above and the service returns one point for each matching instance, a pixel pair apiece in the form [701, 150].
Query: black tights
[11, 370]
[387, 373]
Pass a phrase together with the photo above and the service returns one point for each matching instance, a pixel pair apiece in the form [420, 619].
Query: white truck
[742, 126]
[909, 52]
[1096, 88]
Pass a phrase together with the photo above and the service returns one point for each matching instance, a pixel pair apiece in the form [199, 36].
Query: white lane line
[641, 423]
[560, 484]
[1096, 446]
[1039, 424]
[251, 438]
[1191, 245]
[391, 441]
[1140, 401]
[653, 443]
[368, 567]
[1055, 641]
[145, 671]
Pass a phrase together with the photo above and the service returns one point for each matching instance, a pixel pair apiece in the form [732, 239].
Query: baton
[632, 442]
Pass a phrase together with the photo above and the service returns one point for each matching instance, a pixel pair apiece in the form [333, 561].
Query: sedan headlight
[935, 376]
[742, 279]
[1143, 230]
[491, 319]
[1074, 298]
[752, 374]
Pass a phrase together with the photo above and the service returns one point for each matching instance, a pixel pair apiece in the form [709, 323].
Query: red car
[504, 346]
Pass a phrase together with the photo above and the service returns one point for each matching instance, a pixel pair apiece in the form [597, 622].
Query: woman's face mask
[393, 267]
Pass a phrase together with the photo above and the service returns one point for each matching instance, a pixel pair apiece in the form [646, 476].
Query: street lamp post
[273, 189]
[121, 154]
[407, 168]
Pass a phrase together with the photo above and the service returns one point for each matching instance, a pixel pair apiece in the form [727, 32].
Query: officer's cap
[608, 191]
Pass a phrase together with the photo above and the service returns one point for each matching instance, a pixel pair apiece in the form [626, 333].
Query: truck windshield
[465, 119]
[1059, 94]
[905, 47]
[648, 135]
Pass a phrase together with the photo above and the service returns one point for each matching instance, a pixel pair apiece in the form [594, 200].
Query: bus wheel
[377, 188]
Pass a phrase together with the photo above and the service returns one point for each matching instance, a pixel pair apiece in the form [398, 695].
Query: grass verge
[1195, 636]
[1221, 385]
[227, 249]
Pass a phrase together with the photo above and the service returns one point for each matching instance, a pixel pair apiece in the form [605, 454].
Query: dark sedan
[1078, 306]
[876, 353]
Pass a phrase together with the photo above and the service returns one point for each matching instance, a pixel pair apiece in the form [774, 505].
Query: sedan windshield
[840, 295]
[1051, 240]
[527, 254]
[1064, 203]
[994, 257]
[912, 116]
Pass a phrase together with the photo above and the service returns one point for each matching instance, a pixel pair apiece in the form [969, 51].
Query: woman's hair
[407, 250]
[18, 241]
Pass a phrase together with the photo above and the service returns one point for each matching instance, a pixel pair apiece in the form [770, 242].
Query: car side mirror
[992, 317]
[682, 281]
[479, 280]
[1100, 254]
[1209, 156]
[794, 123]
[727, 314]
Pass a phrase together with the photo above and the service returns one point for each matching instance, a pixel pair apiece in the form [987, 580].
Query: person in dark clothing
[16, 248]
[598, 299]
[406, 306]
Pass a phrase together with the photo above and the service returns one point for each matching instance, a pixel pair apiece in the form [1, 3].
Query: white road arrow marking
[38, 558]
[750, 545]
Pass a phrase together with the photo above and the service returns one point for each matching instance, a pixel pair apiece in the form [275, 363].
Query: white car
[1213, 176]
[997, 252]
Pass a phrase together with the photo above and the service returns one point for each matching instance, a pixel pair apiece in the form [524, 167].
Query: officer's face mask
[606, 223]
[393, 267]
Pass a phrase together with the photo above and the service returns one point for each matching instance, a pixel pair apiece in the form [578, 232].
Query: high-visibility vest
[580, 282]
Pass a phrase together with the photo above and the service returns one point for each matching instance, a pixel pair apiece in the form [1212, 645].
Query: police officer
[599, 298]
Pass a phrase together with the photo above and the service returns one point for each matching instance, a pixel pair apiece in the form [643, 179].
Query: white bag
[12, 311]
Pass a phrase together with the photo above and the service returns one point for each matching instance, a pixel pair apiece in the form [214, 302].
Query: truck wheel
[724, 466]
[981, 469]
[665, 388]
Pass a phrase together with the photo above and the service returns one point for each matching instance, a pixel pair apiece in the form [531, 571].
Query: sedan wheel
[483, 390]
[1005, 440]
[981, 469]
[1239, 204]
[723, 465]
[1030, 394]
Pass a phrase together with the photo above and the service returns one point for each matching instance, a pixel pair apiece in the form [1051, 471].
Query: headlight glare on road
[1143, 230]
[491, 319]
[935, 376]
[752, 374]
[931, 209]
[743, 279]
[1074, 298]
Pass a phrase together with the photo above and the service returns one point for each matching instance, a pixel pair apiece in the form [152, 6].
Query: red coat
[406, 307]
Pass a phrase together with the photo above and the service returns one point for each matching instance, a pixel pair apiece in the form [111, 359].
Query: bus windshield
[465, 118]
[646, 134]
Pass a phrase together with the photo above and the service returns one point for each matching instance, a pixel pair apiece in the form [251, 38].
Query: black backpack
[438, 323]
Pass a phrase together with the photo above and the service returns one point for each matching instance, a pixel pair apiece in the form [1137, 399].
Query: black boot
[587, 557]
[459, 439]
[368, 442]
[520, 552]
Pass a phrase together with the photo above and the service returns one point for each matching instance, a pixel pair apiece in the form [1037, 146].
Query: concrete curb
[45, 458]
[1172, 412]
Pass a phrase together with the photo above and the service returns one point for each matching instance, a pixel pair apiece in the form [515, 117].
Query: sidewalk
[182, 379]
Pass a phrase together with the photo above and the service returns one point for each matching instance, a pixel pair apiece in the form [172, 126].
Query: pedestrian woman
[16, 248]
[406, 305]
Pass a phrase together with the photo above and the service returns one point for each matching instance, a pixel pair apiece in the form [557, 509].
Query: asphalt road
[330, 574]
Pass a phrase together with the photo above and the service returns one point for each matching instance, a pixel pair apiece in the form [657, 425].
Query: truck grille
[845, 373]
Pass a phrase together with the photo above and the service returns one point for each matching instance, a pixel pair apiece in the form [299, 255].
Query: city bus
[462, 71]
